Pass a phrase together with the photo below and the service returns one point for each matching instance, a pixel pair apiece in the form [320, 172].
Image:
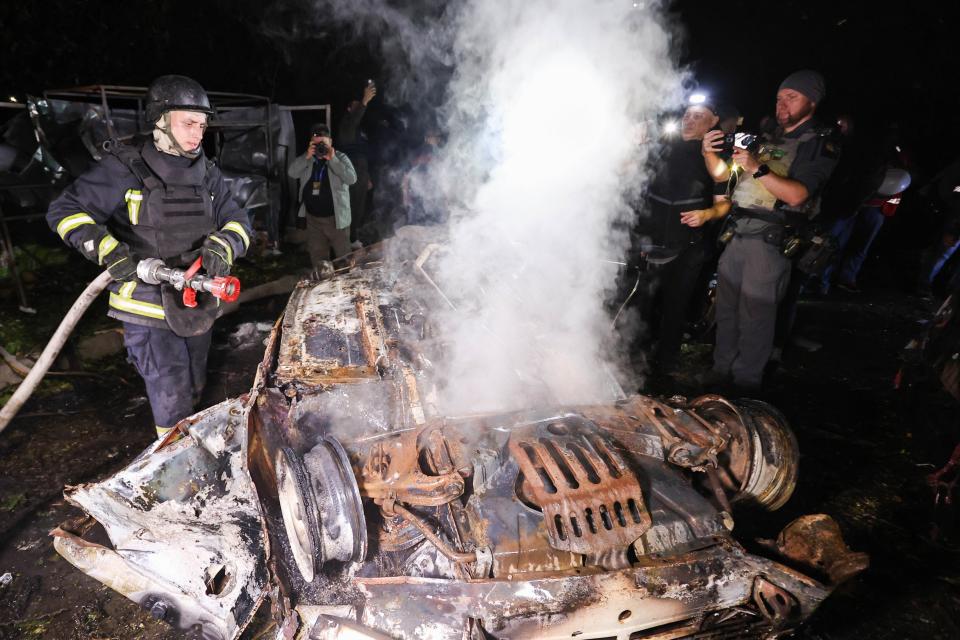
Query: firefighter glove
[121, 265]
[217, 255]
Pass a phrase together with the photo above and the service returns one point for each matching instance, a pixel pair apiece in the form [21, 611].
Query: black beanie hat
[808, 82]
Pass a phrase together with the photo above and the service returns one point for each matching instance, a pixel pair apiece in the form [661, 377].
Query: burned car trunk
[385, 518]
[186, 537]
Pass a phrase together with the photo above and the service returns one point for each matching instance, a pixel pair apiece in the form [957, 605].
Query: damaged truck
[339, 492]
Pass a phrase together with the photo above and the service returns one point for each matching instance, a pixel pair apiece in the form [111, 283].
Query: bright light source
[671, 126]
[12, 98]
[535, 142]
[698, 98]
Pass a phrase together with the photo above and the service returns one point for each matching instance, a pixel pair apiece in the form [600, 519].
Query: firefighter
[159, 198]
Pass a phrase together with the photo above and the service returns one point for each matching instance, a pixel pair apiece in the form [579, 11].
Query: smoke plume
[540, 159]
[542, 110]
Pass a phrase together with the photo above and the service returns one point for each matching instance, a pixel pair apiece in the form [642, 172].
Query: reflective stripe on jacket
[106, 206]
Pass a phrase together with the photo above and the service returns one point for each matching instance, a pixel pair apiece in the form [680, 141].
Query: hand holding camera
[746, 159]
[320, 147]
[747, 148]
[715, 141]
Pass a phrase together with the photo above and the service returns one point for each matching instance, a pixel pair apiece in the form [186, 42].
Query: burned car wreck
[337, 489]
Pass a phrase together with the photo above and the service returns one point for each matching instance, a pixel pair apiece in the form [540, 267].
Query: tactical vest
[682, 184]
[778, 154]
[176, 209]
[169, 219]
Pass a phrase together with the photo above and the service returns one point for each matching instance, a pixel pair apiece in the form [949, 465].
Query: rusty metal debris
[591, 503]
[365, 512]
[815, 543]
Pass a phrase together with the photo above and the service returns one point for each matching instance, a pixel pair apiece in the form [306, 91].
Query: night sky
[898, 63]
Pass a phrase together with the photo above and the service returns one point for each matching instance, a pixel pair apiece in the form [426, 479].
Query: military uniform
[753, 273]
[155, 205]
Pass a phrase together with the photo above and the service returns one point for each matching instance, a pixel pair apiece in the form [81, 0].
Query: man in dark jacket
[159, 199]
[682, 199]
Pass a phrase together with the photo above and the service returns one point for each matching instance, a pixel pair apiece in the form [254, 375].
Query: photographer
[325, 177]
[682, 199]
[783, 174]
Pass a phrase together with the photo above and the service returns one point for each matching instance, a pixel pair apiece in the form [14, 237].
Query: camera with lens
[749, 141]
[322, 149]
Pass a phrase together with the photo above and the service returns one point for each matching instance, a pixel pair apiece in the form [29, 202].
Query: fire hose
[150, 271]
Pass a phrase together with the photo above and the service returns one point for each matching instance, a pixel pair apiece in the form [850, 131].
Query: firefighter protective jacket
[160, 206]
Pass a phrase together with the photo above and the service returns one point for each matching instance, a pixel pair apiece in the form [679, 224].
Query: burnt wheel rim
[299, 510]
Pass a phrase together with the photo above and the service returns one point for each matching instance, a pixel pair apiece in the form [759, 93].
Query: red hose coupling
[227, 288]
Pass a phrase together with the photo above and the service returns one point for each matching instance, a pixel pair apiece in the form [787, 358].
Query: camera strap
[319, 170]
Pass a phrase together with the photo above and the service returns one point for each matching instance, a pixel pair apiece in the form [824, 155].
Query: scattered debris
[8, 376]
[27, 545]
[244, 335]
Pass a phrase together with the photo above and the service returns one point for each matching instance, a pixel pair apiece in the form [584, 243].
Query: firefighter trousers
[174, 369]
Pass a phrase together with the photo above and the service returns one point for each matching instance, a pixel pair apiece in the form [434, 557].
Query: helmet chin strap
[165, 141]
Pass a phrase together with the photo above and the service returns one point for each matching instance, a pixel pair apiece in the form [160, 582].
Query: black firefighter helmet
[175, 93]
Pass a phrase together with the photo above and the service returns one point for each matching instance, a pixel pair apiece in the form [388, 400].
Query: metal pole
[106, 114]
[274, 215]
[8, 246]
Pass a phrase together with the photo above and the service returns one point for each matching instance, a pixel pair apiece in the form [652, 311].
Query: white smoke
[542, 110]
[541, 153]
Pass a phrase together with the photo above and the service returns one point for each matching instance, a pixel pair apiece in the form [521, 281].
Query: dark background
[899, 62]
[891, 63]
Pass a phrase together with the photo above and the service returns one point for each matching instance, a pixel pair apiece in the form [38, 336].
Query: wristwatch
[761, 171]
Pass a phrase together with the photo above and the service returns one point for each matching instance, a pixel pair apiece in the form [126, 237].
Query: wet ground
[865, 452]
